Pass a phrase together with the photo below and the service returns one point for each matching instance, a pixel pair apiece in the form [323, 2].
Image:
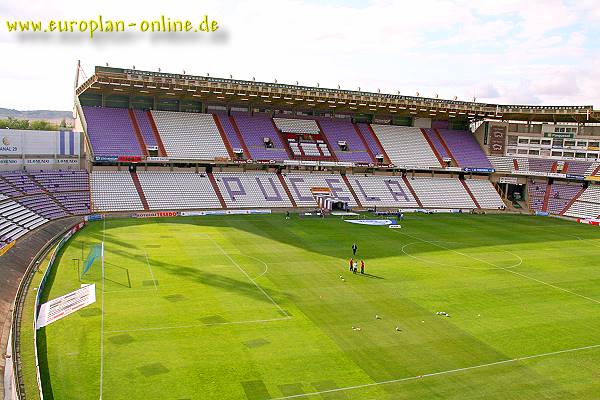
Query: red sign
[133, 159]
[156, 214]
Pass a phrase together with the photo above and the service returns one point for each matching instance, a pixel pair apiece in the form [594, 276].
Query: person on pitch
[351, 263]
[354, 267]
[354, 248]
[362, 266]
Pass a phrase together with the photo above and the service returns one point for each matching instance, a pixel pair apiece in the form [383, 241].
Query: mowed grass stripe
[494, 315]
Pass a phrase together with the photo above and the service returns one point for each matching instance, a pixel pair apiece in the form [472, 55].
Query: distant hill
[47, 115]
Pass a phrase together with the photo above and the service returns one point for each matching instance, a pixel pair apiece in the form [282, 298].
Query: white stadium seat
[406, 146]
[192, 136]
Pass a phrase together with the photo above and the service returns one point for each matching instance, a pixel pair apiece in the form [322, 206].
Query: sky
[542, 52]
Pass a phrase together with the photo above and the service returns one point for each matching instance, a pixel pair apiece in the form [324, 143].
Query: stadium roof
[242, 93]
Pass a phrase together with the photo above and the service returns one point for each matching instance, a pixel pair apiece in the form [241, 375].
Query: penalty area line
[151, 273]
[249, 278]
[433, 374]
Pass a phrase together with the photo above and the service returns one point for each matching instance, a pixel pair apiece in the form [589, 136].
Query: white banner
[65, 305]
[373, 222]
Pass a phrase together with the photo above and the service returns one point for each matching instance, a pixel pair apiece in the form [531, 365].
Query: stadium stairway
[213, 182]
[286, 188]
[437, 154]
[140, 191]
[240, 138]
[570, 203]
[364, 142]
[565, 168]
[445, 146]
[462, 181]
[547, 195]
[515, 164]
[412, 191]
[596, 171]
[386, 158]
[162, 152]
[224, 137]
[351, 189]
[333, 155]
[138, 132]
[50, 195]
[11, 185]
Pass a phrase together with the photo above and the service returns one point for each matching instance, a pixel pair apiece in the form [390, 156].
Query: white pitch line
[151, 273]
[432, 374]
[403, 249]
[102, 319]
[502, 268]
[260, 261]
[161, 328]
[249, 278]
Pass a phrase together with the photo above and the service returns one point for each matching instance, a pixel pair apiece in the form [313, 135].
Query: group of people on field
[354, 264]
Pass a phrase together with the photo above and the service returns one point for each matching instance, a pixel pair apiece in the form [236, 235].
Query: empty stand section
[440, 153]
[161, 146]
[373, 142]
[252, 189]
[464, 149]
[536, 190]
[354, 195]
[502, 164]
[138, 132]
[546, 197]
[469, 193]
[286, 188]
[191, 136]
[412, 191]
[560, 196]
[145, 126]
[16, 220]
[233, 137]
[382, 191]
[446, 148]
[139, 190]
[365, 143]
[485, 194]
[178, 190]
[224, 138]
[406, 146]
[305, 139]
[587, 205]
[345, 142]
[576, 167]
[300, 188]
[110, 132]
[114, 191]
[261, 137]
[441, 193]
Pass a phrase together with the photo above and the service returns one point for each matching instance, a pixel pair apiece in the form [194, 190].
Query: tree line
[36, 125]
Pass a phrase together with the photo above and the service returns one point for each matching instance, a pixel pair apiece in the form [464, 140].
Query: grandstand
[223, 146]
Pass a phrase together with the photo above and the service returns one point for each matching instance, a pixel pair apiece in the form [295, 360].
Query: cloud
[487, 91]
[506, 50]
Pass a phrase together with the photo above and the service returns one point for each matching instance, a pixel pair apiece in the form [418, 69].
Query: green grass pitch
[259, 307]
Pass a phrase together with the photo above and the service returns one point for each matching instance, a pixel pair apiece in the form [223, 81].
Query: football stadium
[194, 237]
